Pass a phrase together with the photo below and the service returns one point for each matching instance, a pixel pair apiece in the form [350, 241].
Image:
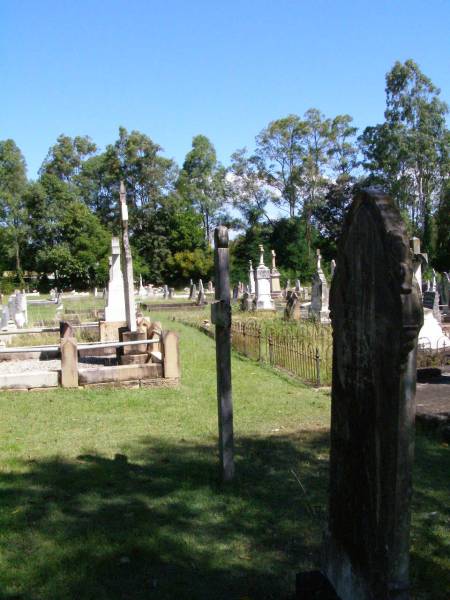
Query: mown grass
[115, 495]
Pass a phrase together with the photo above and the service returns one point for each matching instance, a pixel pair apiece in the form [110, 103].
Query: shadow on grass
[155, 523]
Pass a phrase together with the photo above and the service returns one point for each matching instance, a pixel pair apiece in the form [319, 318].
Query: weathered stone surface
[119, 373]
[133, 336]
[376, 314]
[31, 379]
[69, 361]
[109, 331]
[134, 359]
[171, 355]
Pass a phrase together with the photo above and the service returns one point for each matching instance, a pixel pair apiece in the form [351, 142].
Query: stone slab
[32, 379]
[119, 373]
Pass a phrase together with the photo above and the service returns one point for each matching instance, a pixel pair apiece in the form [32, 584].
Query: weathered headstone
[235, 292]
[275, 288]
[221, 317]
[115, 307]
[165, 291]
[293, 306]
[262, 279]
[247, 302]
[201, 293]
[376, 315]
[69, 356]
[130, 307]
[210, 287]
[319, 293]
[298, 287]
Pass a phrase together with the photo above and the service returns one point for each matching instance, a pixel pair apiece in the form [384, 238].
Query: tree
[442, 253]
[80, 258]
[202, 182]
[13, 211]
[409, 152]
[65, 158]
[279, 156]
[248, 192]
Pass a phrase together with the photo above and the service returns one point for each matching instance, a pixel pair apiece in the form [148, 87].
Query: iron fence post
[317, 367]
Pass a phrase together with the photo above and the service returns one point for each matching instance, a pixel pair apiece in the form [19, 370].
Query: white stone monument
[275, 288]
[21, 310]
[115, 308]
[262, 280]
[319, 294]
[251, 278]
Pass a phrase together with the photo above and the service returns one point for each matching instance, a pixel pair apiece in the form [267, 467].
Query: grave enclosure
[145, 354]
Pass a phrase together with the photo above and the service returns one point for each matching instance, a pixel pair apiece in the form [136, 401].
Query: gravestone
[445, 289]
[115, 307]
[376, 315]
[293, 306]
[275, 288]
[191, 290]
[21, 309]
[142, 290]
[165, 292]
[251, 277]
[235, 292]
[210, 287]
[319, 294]
[5, 318]
[298, 287]
[262, 283]
[201, 293]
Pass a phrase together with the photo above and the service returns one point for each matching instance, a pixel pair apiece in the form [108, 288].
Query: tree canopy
[290, 193]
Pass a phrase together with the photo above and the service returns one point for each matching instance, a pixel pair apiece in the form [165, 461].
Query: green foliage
[287, 237]
[75, 260]
[202, 182]
[195, 264]
[409, 152]
[13, 211]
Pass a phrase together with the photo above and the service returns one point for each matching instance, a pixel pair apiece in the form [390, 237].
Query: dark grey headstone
[376, 315]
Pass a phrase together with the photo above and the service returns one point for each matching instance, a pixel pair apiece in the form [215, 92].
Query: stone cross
[366, 549]
[274, 266]
[130, 308]
[221, 317]
[261, 255]
[319, 260]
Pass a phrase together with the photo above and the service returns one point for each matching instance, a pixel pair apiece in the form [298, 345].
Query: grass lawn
[114, 494]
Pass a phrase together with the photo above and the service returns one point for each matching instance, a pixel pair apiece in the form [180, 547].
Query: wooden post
[221, 317]
[128, 279]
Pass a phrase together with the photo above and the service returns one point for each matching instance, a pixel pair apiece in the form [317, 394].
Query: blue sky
[176, 68]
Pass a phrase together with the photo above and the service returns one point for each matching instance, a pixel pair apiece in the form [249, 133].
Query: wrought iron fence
[307, 360]
[435, 354]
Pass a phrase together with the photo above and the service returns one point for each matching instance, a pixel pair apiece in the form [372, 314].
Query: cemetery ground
[114, 494]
